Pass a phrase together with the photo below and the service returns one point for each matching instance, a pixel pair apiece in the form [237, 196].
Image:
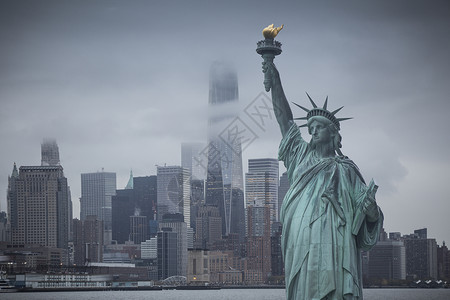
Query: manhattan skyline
[120, 86]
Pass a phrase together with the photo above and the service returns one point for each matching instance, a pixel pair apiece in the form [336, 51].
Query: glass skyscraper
[97, 190]
[262, 185]
[173, 192]
[224, 182]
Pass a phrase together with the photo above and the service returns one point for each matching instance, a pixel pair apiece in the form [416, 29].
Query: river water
[223, 294]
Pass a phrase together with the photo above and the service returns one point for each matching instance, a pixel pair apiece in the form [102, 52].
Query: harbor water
[234, 294]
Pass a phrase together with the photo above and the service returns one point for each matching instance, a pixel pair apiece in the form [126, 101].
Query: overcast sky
[121, 84]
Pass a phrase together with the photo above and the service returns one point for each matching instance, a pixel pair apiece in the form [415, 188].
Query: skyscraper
[387, 260]
[259, 242]
[49, 153]
[191, 160]
[138, 198]
[261, 185]
[224, 181]
[138, 229]
[38, 206]
[167, 253]
[97, 190]
[421, 255]
[174, 190]
[88, 240]
[176, 224]
[209, 226]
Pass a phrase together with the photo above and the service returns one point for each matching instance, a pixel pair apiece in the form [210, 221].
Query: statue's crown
[322, 112]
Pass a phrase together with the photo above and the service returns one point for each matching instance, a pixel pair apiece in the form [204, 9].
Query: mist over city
[121, 85]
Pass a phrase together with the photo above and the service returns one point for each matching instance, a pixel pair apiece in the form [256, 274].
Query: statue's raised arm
[281, 106]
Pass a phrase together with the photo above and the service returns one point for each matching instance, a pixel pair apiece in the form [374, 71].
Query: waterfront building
[137, 199]
[177, 225]
[97, 190]
[275, 250]
[224, 179]
[38, 206]
[149, 248]
[421, 255]
[387, 260]
[167, 253]
[69, 281]
[173, 192]
[87, 240]
[258, 244]
[197, 270]
[226, 268]
[4, 236]
[261, 185]
[209, 227]
[443, 260]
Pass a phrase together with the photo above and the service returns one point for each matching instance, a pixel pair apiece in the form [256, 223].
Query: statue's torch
[268, 49]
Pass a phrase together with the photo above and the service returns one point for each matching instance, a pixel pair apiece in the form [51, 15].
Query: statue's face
[320, 133]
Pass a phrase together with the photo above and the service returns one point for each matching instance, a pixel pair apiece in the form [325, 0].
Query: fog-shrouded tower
[224, 183]
[49, 153]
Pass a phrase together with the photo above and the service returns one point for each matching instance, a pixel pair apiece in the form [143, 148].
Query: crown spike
[302, 118]
[343, 119]
[312, 102]
[337, 110]
[304, 125]
[305, 109]
[325, 104]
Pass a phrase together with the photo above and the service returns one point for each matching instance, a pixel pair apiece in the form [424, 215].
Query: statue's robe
[322, 238]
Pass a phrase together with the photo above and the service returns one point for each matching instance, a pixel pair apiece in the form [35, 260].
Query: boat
[6, 286]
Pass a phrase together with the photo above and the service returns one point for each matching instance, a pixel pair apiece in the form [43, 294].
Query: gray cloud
[121, 84]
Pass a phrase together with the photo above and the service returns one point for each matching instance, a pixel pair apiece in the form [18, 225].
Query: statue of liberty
[329, 214]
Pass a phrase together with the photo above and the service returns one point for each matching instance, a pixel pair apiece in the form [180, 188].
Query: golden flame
[270, 32]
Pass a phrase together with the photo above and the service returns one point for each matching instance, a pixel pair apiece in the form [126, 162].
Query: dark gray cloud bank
[120, 84]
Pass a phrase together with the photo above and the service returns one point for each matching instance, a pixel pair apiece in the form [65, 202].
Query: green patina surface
[329, 213]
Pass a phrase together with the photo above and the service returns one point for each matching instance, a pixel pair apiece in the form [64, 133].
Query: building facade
[88, 240]
[259, 253]
[177, 225]
[261, 185]
[139, 229]
[224, 179]
[387, 260]
[167, 256]
[49, 153]
[97, 190]
[209, 227]
[191, 159]
[138, 199]
[173, 192]
[38, 206]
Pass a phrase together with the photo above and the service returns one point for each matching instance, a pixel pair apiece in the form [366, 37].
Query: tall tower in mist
[224, 182]
[49, 153]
